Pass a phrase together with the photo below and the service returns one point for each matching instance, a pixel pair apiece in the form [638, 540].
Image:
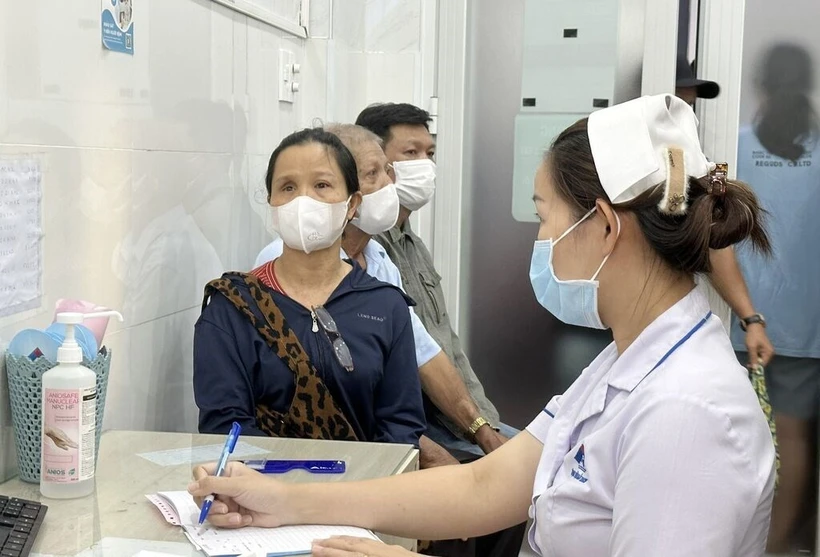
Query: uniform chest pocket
[572, 476]
[431, 283]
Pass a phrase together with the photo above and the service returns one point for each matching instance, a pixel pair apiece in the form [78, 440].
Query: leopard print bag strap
[313, 412]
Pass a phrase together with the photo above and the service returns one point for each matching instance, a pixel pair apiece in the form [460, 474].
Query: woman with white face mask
[308, 345]
[660, 447]
[378, 213]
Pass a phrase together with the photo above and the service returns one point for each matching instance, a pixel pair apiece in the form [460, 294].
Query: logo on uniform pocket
[579, 471]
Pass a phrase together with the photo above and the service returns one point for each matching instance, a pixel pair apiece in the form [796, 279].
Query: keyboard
[19, 523]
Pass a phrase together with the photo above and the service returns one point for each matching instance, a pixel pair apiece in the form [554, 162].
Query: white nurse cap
[641, 143]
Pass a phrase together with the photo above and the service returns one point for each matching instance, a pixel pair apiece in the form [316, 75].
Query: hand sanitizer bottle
[68, 449]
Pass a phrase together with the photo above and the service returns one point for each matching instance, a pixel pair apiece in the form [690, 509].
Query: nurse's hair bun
[717, 214]
[725, 216]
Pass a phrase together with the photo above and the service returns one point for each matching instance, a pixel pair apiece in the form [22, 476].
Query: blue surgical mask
[575, 302]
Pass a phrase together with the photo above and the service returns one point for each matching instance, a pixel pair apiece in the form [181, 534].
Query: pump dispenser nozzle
[70, 352]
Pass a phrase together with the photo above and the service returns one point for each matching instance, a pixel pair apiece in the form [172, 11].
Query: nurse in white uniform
[660, 447]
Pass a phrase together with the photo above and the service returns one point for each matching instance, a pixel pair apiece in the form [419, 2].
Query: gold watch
[478, 424]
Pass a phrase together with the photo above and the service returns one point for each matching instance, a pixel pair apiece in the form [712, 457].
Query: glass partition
[779, 156]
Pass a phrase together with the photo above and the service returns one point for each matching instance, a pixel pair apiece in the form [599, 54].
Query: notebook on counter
[178, 508]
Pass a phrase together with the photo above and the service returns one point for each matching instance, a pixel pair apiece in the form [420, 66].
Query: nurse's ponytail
[718, 215]
[715, 219]
[728, 218]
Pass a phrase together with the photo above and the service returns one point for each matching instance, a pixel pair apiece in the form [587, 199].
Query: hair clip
[676, 187]
[717, 180]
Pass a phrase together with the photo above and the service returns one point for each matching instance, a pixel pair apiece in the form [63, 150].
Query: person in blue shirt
[440, 380]
[726, 276]
[779, 156]
[308, 345]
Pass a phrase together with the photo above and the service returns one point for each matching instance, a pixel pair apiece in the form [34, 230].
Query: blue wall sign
[118, 25]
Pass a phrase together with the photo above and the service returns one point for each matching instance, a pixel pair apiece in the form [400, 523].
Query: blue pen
[284, 466]
[230, 443]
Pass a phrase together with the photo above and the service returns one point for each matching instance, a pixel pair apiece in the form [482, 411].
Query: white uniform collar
[657, 340]
[373, 251]
[374, 256]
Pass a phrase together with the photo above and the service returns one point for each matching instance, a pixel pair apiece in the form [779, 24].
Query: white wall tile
[350, 85]
[349, 23]
[314, 82]
[82, 106]
[151, 383]
[262, 233]
[263, 89]
[190, 77]
[118, 399]
[320, 19]
[392, 25]
[176, 240]
[398, 75]
[374, 55]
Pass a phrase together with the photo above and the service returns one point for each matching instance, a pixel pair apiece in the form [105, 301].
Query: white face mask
[415, 182]
[378, 212]
[307, 225]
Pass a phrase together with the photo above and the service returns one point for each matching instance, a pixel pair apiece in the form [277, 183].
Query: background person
[779, 156]
[410, 149]
[726, 276]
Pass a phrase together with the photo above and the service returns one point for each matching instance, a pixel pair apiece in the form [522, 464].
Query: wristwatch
[478, 424]
[751, 320]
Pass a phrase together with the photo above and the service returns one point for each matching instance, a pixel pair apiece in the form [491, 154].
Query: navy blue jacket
[234, 368]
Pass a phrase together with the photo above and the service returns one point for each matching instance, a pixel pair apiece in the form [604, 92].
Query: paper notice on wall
[20, 234]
